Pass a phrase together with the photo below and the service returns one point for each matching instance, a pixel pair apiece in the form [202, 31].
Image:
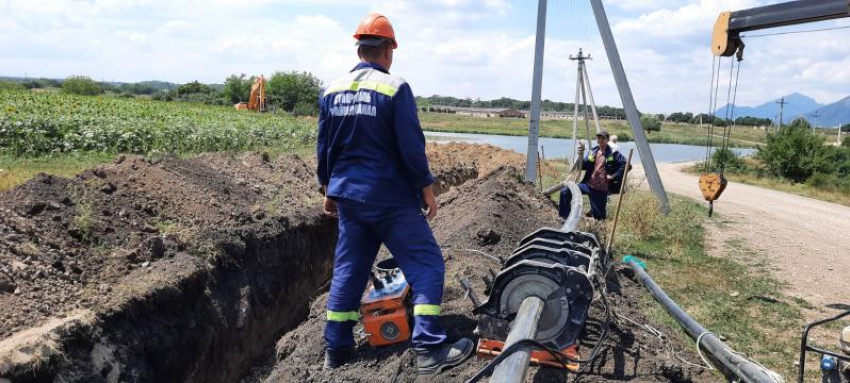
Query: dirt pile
[64, 242]
[477, 221]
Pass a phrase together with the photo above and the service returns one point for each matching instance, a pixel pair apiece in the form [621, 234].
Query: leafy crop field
[40, 124]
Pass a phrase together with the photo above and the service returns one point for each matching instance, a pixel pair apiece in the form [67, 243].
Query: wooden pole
[619, 203]
[539, 173]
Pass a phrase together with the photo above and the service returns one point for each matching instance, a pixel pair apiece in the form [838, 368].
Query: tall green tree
[650, 123]
[81, 85]
[286, 90]
[237, 88]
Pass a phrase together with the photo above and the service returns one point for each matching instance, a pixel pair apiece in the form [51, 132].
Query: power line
[796, 32]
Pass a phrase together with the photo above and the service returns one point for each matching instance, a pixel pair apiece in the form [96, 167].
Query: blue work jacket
[371, 147]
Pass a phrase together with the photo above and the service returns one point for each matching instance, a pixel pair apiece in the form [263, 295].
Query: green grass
[670, 133]
[16, 170]
[738, 300]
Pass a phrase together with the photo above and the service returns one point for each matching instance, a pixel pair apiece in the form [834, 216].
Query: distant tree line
[293, 92]
[509, 103]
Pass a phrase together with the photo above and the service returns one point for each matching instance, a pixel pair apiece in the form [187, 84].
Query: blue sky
[480, 49]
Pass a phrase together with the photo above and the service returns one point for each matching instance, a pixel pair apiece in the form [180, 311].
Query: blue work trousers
[598, 202]
[405, 232]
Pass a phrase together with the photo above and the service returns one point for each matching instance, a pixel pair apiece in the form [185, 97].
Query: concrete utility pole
[782, 104]
[536, 94]
[816, 115]
[616, 63]
[583, 94]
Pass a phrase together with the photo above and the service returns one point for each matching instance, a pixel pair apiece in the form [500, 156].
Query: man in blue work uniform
[604, 168]
[373, 169]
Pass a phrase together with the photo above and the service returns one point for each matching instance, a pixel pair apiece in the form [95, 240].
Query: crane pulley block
[712, 186]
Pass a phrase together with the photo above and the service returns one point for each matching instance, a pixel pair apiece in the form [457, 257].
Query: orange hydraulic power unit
[385, 306]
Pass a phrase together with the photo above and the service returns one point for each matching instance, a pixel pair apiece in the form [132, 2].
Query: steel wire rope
[728, 136]
[707, 163]
[727, 120]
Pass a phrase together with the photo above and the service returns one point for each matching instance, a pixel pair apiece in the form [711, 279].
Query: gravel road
[805, 240]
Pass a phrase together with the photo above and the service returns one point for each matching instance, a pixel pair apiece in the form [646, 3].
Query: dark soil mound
[477, 221]
[65, 242]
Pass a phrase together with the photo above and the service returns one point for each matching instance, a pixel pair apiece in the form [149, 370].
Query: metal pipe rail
[732, 364]
[524, 326]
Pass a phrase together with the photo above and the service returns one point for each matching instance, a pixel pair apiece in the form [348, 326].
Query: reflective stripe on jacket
[371, 147]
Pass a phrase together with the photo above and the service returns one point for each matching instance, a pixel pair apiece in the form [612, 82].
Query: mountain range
[797, 105]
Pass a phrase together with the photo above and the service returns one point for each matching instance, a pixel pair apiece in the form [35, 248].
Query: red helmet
[376, 25]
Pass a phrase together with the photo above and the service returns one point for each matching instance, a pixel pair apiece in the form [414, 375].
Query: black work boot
[448, 355]
[336, 358]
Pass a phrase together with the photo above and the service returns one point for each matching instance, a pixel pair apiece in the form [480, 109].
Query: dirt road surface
[804, 240]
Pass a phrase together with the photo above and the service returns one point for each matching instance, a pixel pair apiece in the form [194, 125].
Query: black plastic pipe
[733, 365]
[515, 367]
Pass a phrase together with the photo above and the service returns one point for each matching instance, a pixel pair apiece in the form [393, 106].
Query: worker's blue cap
[604, 134]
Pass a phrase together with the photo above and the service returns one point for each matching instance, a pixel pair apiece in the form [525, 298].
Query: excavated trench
[171, 270]
[211, 323]
[179, 277]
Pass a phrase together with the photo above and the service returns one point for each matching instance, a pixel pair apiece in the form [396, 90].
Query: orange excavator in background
[257, 99]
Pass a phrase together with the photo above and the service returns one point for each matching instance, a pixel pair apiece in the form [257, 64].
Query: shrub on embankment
[796, 155]
[37, 124]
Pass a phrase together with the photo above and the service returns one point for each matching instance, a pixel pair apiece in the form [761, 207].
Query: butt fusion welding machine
[385, 307]
[557, 266]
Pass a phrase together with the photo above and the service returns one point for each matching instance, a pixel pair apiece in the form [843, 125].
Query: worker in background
[614, 143]
[373, 169]
[604, 170]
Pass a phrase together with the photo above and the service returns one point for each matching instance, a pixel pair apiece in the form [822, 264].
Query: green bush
[81, 85]
[9, 86]
[728, 160]
[285, 90]
[650, 123]
[846, 142]
[162, 95]
[795, 153]
[822, 181]
[194, 88]
[305, 109]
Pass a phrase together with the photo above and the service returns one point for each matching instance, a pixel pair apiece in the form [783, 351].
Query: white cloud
[177, 27]
[451, 47]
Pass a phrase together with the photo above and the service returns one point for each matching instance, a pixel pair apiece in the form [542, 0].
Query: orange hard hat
[376, 25]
